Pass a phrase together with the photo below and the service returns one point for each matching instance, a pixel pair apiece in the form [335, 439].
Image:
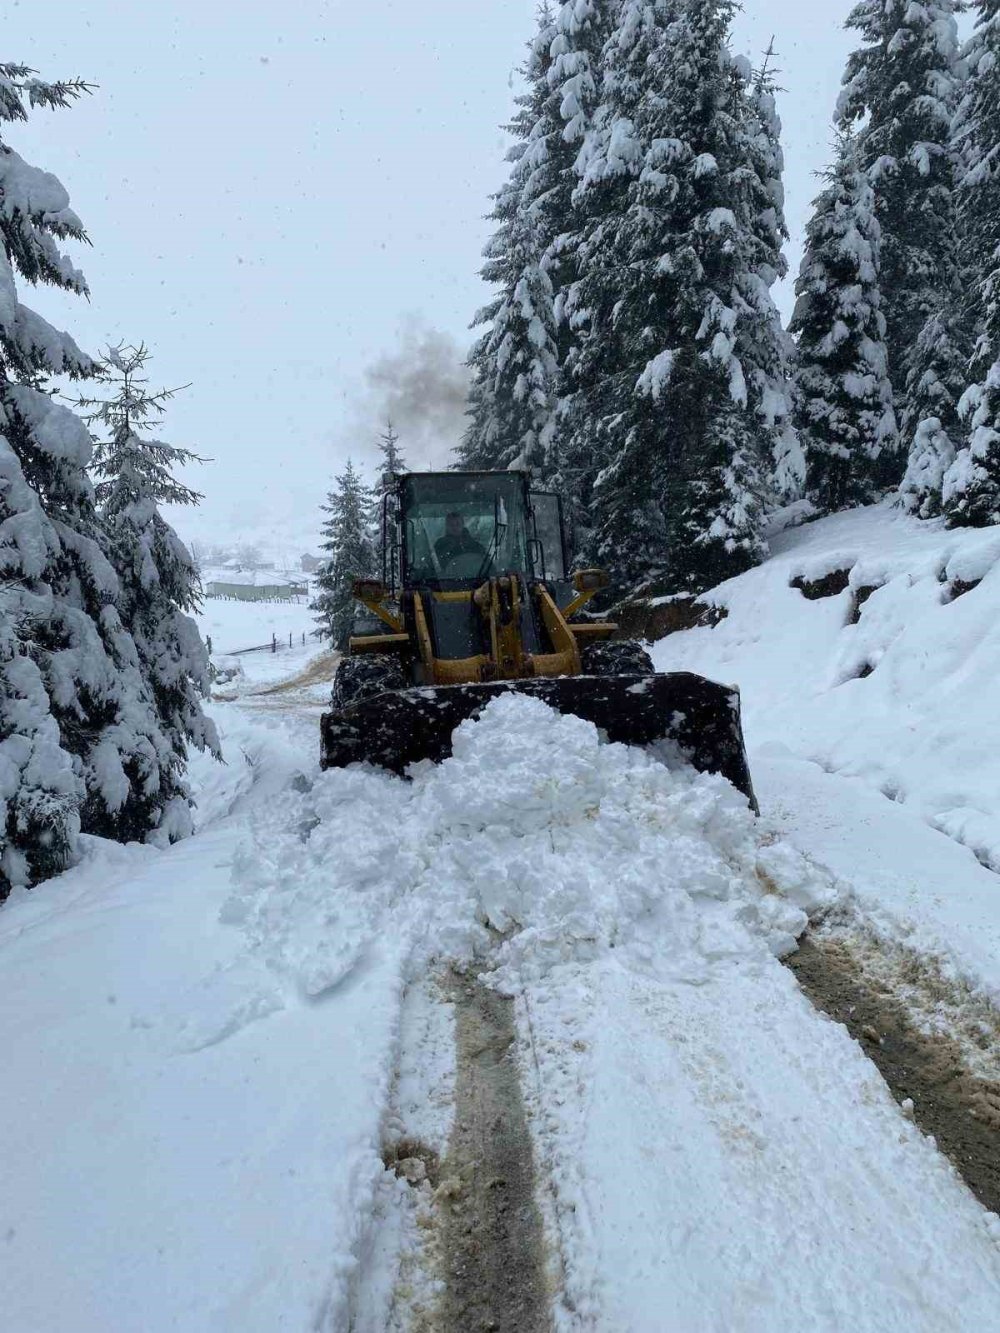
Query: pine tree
[41, 787]
[612, 444]
[971, 490]
[385, 503]
[350, 555]
[681, 375]
[393, 462]
[971, 487]
[844, 397]
[576, 79]
[78, 731]
[977, 152]
[770, 356]
[515, 363]
[931, 423]
[900, 89]
[158, 581]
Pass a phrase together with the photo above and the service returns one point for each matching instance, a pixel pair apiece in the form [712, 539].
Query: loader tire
[626, 657]
[363, 677]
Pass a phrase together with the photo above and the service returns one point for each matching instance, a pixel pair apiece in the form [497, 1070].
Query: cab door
[549, 557]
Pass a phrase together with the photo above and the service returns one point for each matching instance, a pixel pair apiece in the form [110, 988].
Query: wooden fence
[275, 646]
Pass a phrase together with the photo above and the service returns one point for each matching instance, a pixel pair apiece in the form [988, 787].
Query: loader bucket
[701, 718]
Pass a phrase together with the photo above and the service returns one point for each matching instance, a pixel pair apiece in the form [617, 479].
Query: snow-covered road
[210, 1049]
[723, 1158]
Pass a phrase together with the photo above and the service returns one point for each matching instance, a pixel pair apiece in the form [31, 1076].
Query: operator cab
[458, 529]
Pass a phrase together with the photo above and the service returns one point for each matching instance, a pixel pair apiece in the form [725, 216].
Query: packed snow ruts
[928, 1072]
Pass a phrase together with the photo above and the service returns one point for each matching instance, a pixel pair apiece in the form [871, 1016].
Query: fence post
[289, 638]
[274, 642]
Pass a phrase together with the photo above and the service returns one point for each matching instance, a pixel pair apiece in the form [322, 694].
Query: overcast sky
[286, 202]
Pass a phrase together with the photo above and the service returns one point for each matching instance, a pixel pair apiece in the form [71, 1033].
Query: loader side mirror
[369, 590]
[590, 580]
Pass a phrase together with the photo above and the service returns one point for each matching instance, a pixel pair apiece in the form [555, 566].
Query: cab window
[463, 528]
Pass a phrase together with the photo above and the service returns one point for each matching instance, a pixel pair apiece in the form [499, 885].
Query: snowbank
[187, 1145]
[892, 680]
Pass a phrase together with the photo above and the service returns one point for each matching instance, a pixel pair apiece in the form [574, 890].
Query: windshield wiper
[493, 550]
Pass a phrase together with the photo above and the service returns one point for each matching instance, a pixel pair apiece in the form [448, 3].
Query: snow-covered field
[208, 1048]
[236, 625]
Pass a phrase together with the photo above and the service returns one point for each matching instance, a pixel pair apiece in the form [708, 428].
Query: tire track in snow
[927, 1073]
[494, 1247]
[397, 1286]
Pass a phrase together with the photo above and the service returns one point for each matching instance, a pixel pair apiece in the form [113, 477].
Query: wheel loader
[477, 599]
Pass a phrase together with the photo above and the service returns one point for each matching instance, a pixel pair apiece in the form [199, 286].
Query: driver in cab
[457, 541]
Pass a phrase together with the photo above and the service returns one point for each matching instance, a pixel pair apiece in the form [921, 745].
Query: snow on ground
[720, 1155]
[725, 1160]
[907, 881]
[234, 625]
[201, 1044]
[252, 672]
[827, 747]
[207, 1048]
[190, 1142]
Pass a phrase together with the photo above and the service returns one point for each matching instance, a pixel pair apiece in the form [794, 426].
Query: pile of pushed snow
[891, 680]
[534, 828]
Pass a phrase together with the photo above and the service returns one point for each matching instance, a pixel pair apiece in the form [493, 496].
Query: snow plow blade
[400, 727]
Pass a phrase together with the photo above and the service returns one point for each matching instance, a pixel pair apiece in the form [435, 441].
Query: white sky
[275, 192]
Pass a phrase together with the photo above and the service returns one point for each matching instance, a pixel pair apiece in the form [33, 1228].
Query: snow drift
[891, 680]
[534, 828]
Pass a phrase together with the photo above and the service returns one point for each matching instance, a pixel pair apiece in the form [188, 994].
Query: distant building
[242, 586]
[310, 563]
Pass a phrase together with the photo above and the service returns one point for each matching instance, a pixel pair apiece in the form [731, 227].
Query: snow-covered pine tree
[384, 503]
[347, 541]
[515, 363]
[681, 375]
[844, 396]
[393, 461]
[769, 354]
[971, 488]
[77, 726]
[977, 153]
[158, 582]
[931, 425]
[900, 91]
[612, 445]
[41, 788]
[576, 79]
